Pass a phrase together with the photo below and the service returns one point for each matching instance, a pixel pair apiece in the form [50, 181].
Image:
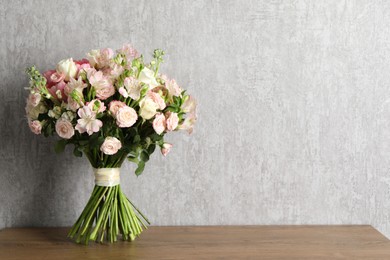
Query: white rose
[147, 76]
[64, 128]
[68, 68]
[110, 146]
[148, 108]
[126, 116]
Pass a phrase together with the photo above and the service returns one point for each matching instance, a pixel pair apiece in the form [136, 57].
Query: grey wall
[294, 116]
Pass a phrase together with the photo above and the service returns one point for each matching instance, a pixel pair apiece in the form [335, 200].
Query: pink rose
[114, 106]
[159, 123]
[111, 145]
[166, 148]
[64, 128]
[126, 117]
[35, 126]
[96, 106]
[172, 121]
[34, 99]
[156, 97]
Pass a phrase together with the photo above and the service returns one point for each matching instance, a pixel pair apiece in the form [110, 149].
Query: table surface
[205, 242]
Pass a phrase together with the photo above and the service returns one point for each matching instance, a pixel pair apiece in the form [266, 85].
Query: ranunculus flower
[126, 116]
[166, 148]
[156, 97]
[104, 88]
[88, 122]
[35, 126]
[96, 106]
[172, 121]
[147, 76]
[131, 88]
[148, 108]
[34, 99]
[111, 145]
[64, 128]
[159, 123]
[68, 68]
[114, 106]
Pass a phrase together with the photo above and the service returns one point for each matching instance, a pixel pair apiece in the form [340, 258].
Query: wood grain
[205, 242]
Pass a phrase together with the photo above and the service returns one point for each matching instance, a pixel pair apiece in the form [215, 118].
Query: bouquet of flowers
[111, 107]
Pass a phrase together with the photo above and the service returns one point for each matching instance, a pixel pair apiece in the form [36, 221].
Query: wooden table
[202, 242]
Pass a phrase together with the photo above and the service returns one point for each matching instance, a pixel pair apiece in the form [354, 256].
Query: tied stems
[108, 214]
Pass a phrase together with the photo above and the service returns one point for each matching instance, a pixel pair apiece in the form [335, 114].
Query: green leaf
[77, 152]
[60, 146]
[151, 148]
[140, 168]
[133, 159]
[144, 156]
[137, 139]
[156, 137]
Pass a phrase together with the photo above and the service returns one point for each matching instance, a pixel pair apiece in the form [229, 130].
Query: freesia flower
[111, 145]
[131, 88]
[126, 116]
[166, 148]
[64, 128]
[35, 126]
[147, 76]
[172, 121]
[88, 122]
[159, 123]
[68, 68]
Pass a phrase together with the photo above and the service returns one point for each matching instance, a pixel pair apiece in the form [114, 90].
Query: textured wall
[294, 117]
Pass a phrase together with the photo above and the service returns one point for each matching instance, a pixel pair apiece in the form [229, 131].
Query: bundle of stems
[108, 214]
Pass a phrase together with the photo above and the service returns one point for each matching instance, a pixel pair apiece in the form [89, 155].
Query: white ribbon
[107, 177]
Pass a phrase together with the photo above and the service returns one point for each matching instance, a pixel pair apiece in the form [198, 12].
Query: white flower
[111, 145]
[148, 108]
[131, 88]
[88, 122]
[68, 115]
[147, 76]
[166, 148]
[34, 99]
[64, 128]
[126, 117]
[68, 68]
[33, 112]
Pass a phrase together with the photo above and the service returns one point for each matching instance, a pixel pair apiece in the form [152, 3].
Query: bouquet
[111, 107]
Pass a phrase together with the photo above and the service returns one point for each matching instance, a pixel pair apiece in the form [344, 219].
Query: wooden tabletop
[205, 242]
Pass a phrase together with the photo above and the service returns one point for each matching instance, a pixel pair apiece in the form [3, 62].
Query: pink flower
[159, 123]
[73, 84]
[156, 99]
[35, 126]
[126, 117]
[111, 145]
[189, 106]
[34, 99]
[64, 128]
[58, 91]
[104, 88]
[114, 106]
[129, 52]
[88, 122]
[188, 123]
[47, 75]
[96, 106]
[172, 121]
[166, 148]
[82, 65]
[131, 88]
[100, 58]
[171, 85]
[57, 77]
